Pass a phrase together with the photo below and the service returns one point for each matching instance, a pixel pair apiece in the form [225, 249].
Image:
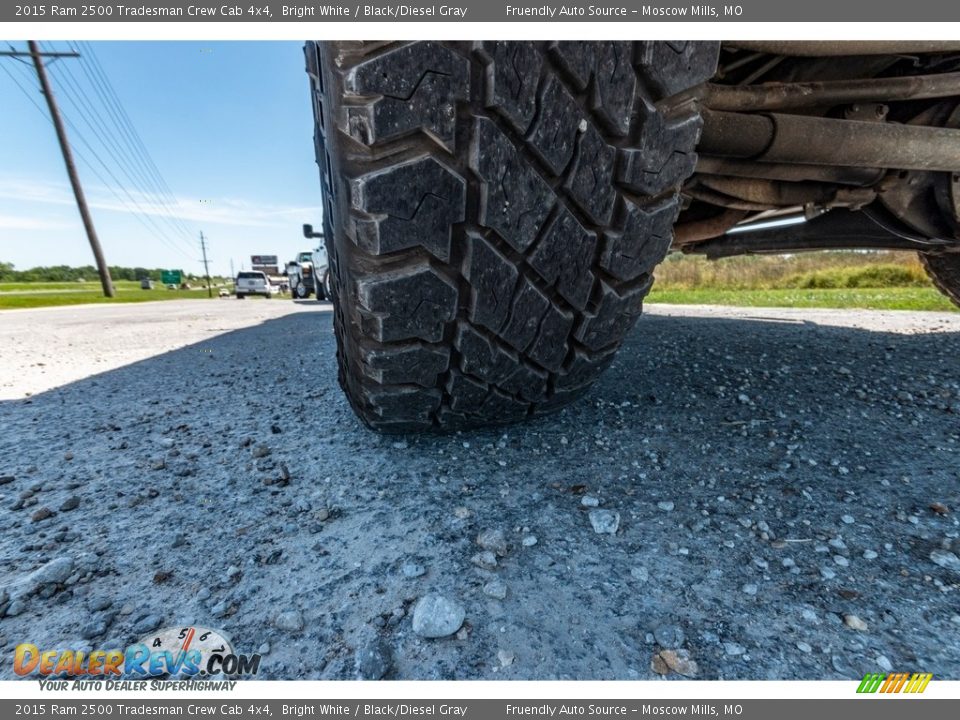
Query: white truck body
[253, 282]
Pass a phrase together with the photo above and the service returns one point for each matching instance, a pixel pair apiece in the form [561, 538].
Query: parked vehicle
[253, 282]
[494, 211]
[309, 274]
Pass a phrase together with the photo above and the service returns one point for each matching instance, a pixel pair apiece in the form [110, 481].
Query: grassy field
[873, 280]
[867, 298]
[45, 294]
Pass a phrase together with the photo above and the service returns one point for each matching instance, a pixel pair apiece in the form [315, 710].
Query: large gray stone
[436, 616]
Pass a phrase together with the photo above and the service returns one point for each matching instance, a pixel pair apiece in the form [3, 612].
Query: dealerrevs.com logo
[888, 683]
[173, 651]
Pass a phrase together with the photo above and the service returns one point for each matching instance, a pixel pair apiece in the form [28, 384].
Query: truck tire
[944, 271]
[326, 287]
[494, 211]
[300, 291]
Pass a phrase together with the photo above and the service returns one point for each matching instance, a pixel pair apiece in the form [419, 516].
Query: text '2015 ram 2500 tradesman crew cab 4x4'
[494, 211]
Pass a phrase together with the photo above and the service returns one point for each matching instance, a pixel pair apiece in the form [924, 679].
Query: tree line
[65, 273]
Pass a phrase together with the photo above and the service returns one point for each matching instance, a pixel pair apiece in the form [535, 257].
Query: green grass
[18, 295]
[842, 279]
[879, 280]
[894, 298]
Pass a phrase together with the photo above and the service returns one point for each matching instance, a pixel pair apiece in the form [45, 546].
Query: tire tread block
[416, 86]
[410, 303]
[529, 305]
[514, 199]
[665, 156]
[413, 204]
[511, 81]
[590, 182]
[615, 314]
[643, 242]
[564, 257]
[554, 133]
[413, 364]
[492, 277]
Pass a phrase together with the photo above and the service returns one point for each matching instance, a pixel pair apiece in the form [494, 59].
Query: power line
[131, 164]
[128, 136]
[131, 131]
[103, 133]
[142, 217]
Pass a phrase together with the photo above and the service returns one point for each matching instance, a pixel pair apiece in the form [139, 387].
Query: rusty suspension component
[780, 138]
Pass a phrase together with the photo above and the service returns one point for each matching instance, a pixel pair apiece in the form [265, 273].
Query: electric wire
[139, 215]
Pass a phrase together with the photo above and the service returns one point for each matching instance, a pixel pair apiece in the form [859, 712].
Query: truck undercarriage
[826, 145]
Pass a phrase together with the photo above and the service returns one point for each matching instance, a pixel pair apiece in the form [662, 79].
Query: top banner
[484, 11]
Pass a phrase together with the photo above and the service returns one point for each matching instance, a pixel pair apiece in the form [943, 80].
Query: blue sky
[227, 124]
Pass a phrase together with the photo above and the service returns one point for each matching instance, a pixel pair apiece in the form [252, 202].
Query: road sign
[263, 260]
[170, 277]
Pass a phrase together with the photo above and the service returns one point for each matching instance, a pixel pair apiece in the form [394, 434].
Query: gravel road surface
[747, 493]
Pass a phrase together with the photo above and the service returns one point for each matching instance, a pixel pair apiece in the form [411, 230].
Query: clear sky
[227, 124]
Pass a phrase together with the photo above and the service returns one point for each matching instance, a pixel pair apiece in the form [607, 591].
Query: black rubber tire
[494, 212]
[300, 291]
[944, 271]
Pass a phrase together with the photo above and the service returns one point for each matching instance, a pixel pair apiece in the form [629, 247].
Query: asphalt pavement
[746, 493]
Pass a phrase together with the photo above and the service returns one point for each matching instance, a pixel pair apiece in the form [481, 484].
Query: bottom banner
[873, 707]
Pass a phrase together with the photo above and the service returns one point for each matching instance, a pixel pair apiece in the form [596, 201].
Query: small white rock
[413, 569]
[945, 559]
[485, 559]
[733, 649]
[494, 541]
[495, 589]
[289, 620]
[854, 623]
[605, 522]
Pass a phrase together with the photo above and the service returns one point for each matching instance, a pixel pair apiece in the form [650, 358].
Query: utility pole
[206, 269]
[233, 275]
[102, 268]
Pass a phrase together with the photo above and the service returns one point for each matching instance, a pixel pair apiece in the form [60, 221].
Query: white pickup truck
[253, 282]
[309, 274]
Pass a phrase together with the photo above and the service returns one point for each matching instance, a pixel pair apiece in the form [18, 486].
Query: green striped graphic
[871, 682]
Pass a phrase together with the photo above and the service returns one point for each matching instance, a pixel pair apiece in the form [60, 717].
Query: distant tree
[65, 273]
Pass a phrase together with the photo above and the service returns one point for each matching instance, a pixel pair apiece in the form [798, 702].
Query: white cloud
[215, 211]
[15, 222]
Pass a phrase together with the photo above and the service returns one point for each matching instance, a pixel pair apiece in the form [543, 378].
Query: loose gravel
[784, 486]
